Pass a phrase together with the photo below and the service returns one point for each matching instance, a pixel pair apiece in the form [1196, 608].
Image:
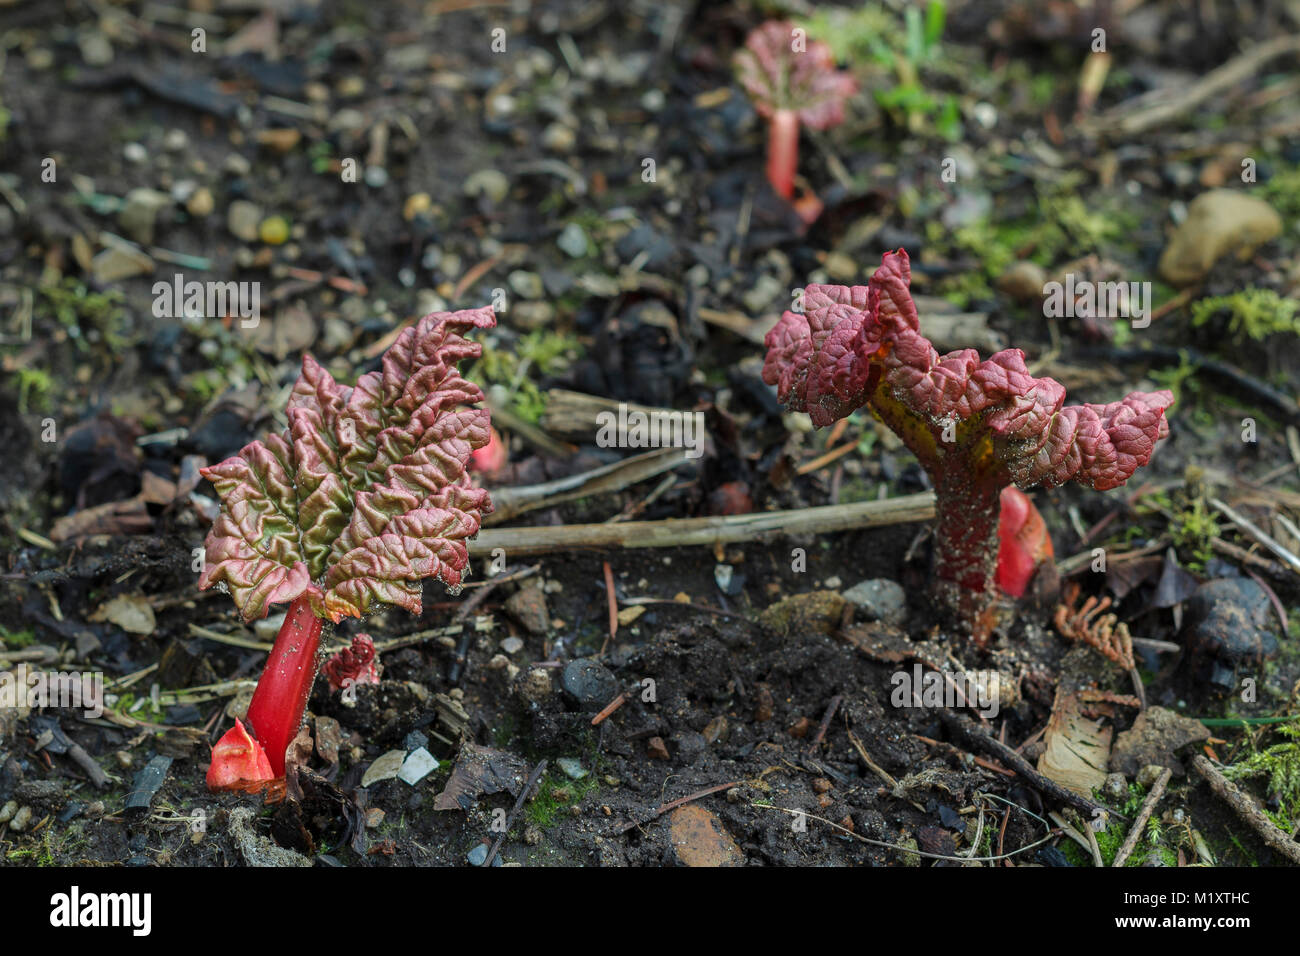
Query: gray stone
[572, 767]
[882, 599]
[589, 683]
[418, 765]
[572, 241]
[1116, 786]
[140, 212]
[527, 285]
[763, 292]
[528, 607]
[243, 218]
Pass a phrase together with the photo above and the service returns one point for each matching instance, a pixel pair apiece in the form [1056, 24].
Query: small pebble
[559, 138]
[176, 140]
[1116, 786]
[572, 767]
[274, 231]
[492, 184]
[417, 204]
[1148, 775]
[572, 241]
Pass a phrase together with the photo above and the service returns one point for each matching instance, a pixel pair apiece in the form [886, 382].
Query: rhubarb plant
[363, 497]
[792, 81]
[975, 426]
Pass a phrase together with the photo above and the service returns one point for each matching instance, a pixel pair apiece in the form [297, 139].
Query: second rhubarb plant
[367, 494]
[975, 426]
[793, 82]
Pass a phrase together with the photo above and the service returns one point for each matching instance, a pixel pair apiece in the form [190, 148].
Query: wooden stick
[968, 734]
[688, 532]
[511, 501]
[533, 779]
[1149, 804]
[674, 804]
[1258, 534]
[609, 708]
[612, 600]
[1245, 808]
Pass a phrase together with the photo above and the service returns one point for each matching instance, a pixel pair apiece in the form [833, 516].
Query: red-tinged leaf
[825, 362]
[783, 70]
[309, 512]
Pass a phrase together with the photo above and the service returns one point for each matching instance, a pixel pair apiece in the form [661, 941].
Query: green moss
[554, 794]
[1282, 189]
[16, 640]
[538, 353]
[1191, 523]
[1177, 379]
[1280, 764]
[1252, 313]
[85, 315]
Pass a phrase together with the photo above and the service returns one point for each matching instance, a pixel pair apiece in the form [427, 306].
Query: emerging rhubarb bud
[492, 457]
[975, 426]
[353, 665]
[1023, 542]
[791, 81]
[238, 762]
[367, 494]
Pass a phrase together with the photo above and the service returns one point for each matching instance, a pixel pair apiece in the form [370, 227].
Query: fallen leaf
[131, 612]
[1076, 748]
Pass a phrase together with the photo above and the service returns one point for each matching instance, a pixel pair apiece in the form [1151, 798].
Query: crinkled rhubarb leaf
[863, 346]
[779, 77]
[368, 492]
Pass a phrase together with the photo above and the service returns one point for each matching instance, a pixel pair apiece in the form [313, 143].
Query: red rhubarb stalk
[275, 713]
[783, 151]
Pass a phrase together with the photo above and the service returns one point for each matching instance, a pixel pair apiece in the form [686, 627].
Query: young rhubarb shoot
[1023, 542]
[353, 665]
[365, 496]
[792, 81]
[975, 426]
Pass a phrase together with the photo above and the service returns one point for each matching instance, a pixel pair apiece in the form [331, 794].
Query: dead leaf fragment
[131, 612]
[481, 770]
[1076, 748]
